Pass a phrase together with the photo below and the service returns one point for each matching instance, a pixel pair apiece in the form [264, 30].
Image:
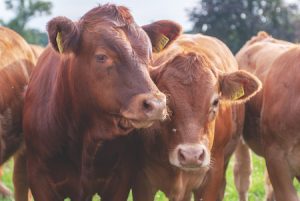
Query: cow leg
[242, 170]
[20, 177]
[4, 191]
[268, 188]
[279, 173]
[119, 186]
[187, 197]
[40, 186]
[142, 189]
[223, 186]
[211, 189]
[90, 148]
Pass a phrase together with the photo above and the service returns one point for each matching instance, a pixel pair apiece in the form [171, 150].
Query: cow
[271, 125]
[16, 64]
[185, 153]
[91, 85]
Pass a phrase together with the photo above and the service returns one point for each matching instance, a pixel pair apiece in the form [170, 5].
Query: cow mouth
[127, 124]
[194, 168]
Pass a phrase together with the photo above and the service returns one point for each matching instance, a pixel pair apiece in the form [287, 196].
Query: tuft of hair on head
[108, 12]
[262, 34]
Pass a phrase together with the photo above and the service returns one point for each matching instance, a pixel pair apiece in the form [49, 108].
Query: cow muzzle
[144, 109]
[190, 157]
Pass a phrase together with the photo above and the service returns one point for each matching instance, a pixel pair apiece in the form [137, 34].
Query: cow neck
[156, 153]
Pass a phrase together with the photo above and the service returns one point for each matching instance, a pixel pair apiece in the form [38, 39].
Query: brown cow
[199, 74]
[271, 119]
[16, 64]
[90, 86]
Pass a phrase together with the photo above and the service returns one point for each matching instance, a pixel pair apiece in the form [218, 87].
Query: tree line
[232, 21]
[24, 11]
[235, 21]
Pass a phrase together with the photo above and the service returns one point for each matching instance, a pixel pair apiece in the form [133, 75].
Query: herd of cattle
[110, 107]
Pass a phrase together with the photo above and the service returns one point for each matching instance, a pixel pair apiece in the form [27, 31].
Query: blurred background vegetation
[24, 11]
[235, 21]
[232, 21]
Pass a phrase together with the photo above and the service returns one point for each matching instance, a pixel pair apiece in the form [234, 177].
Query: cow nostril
[181, 155]
[201, 156]
[147, 105]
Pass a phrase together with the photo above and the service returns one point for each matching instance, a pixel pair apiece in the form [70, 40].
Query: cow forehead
[125, 40]
[190, 89]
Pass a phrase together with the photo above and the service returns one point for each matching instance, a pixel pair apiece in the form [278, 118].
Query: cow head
[196, 91]
[109, 57]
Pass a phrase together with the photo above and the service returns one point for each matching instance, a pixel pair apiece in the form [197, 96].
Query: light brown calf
[186, 153]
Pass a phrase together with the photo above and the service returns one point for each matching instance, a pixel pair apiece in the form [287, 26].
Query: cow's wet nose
[192, 157]
[148, 107]
[155, 107]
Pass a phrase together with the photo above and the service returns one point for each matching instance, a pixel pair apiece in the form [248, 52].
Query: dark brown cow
[200, 76]
[16, 63]
[90, 86]
[272, 116]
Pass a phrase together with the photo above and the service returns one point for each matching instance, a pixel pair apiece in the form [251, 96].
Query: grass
[256, 192]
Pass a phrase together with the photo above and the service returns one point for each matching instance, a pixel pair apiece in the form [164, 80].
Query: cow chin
[190, 168]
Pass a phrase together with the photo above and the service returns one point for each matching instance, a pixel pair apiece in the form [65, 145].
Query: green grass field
[256, 192]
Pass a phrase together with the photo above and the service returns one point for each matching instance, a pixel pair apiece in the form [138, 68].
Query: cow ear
[238, 86]
[162, 33]
[63, 34]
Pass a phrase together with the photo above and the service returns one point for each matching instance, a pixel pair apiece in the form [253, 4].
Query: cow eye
[101, 58]
[215, 103]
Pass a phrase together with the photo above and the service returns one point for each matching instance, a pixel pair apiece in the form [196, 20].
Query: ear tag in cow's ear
[67, 199]
[59, 42]
[161, 43]
[238, 93]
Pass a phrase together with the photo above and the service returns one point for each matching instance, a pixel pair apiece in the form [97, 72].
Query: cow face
[110, 56]
[195, 93]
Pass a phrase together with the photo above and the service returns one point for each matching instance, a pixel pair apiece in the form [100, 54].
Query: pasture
[256, 193]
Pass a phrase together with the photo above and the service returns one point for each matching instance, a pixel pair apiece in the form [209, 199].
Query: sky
[143, 11]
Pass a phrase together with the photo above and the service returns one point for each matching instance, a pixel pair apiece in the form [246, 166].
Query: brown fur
[37, 50]
[96, 89]
[271, 124]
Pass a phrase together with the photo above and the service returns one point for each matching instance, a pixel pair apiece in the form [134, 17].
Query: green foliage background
[236, 21]
[24, 11]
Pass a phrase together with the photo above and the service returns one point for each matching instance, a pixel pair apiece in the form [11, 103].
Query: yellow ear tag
[67, 199]
[59, 42]
[238, 93]
[161, 44]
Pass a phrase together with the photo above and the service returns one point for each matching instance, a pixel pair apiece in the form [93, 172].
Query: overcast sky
[144, 11]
